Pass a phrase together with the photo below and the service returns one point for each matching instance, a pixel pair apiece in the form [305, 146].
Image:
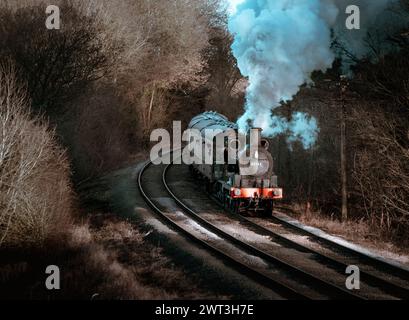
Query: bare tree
[225, 80]
[175, 34]
[343, 148]
[55, 64]
[35, 191]
[380, 167]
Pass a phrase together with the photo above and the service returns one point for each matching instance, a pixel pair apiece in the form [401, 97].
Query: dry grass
[331, 224]
[105, 258]
[35, 191]
[133, 269]
[360, 231]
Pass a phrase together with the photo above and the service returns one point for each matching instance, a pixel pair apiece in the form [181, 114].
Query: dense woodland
[81, 102]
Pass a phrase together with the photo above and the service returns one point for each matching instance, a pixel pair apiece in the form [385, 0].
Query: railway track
[392, 288]
[382, 265]
[254, 274]
[389, 287]
[299, 283]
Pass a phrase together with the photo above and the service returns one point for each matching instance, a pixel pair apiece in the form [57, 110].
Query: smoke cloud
[279, 43]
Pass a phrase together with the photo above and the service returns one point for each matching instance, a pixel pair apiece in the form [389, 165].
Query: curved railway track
[257, 276]
[378, 263]
[389, 287]
[325, 289]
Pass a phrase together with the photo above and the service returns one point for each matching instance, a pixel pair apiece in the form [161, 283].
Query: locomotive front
[248, 185]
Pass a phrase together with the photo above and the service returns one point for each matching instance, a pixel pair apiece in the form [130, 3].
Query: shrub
[35, 191]
[98, 132]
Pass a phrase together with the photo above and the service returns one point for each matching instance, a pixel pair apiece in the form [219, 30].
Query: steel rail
[308, 278]
[259, 277]
[383, 266]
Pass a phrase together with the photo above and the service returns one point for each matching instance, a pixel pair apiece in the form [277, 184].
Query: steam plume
[279, 43]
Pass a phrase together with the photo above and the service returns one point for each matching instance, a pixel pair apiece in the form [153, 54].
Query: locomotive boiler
[238, 188]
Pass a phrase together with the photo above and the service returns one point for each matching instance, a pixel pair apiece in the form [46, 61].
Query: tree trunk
[344, 174]
[151, 106]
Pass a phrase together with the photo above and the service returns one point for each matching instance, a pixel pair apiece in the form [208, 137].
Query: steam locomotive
[230, 182]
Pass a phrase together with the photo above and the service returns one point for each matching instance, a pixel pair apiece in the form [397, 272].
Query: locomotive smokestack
[257, 134]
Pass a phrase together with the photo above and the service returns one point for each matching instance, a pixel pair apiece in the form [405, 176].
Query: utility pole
[344, 175]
